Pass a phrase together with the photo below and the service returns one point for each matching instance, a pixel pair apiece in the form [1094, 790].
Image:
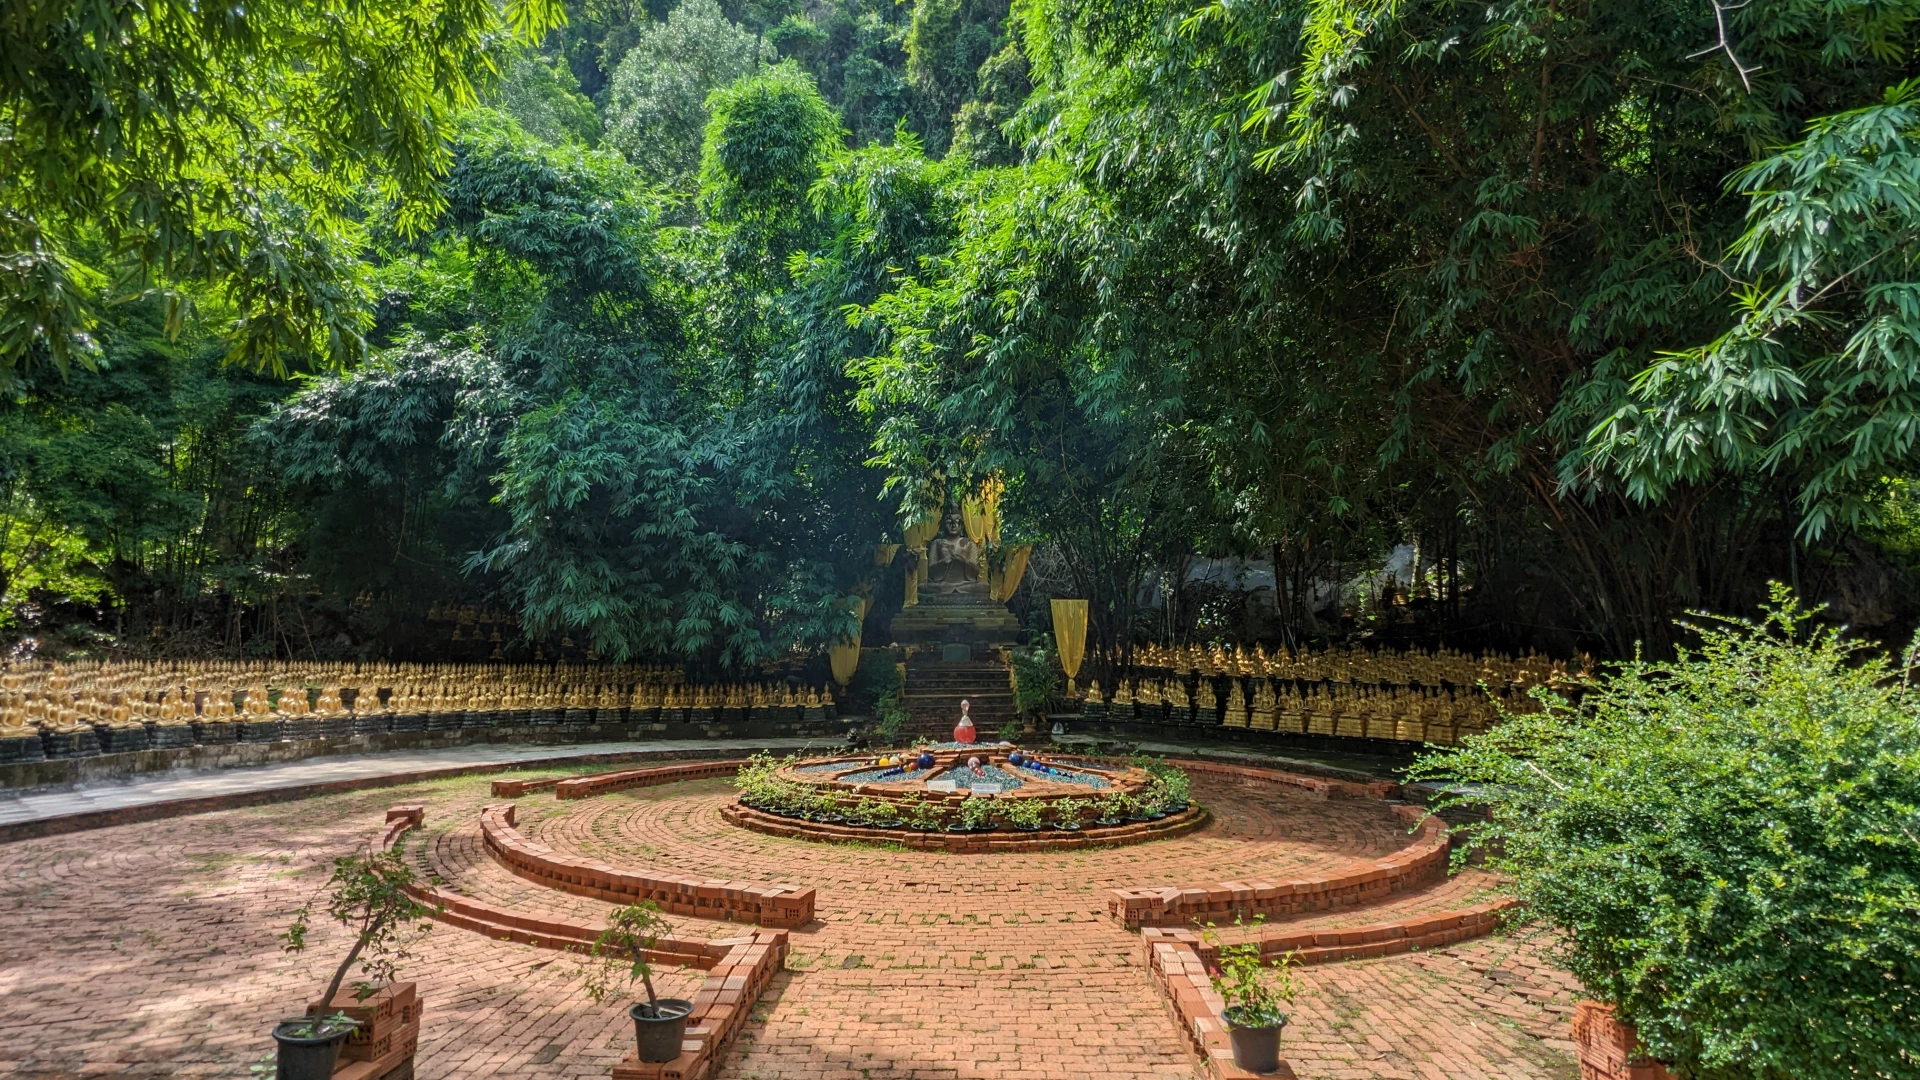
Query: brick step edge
[776, 905]
[1369, 942]
[503, 925]
[746, 817]
[738, 969]
[1419, 864]
[581, 787]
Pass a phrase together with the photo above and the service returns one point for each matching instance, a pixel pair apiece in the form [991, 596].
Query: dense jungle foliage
[631, 327]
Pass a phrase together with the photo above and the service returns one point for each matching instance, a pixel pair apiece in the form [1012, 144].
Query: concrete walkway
[153, 790]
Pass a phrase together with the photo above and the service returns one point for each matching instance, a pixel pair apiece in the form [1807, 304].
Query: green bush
[1026, 813]
[1728, 847]
[977, 812]
[1035, 677]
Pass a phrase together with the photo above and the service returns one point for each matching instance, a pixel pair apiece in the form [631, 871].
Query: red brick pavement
[149, 950]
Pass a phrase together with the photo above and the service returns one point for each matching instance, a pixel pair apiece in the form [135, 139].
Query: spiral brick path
[149, 950]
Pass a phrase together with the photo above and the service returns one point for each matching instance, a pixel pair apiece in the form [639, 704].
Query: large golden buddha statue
[953, 561]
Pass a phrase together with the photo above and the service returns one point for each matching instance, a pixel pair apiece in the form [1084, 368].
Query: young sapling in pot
[659, 1024]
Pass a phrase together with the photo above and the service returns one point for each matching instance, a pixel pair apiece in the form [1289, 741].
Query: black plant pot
[660, 1030]
[1067, 826]
[308, 1057]
[1255, 1049]
[1107, 821]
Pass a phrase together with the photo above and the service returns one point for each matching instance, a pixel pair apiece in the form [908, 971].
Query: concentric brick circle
[679, 828]
[151, 950]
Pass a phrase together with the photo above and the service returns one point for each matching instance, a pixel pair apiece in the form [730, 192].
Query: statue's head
[952, 525]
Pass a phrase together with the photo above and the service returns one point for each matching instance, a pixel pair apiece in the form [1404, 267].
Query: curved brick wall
[746, 817]
[1423, 862]
[737, 901]
[738, 969]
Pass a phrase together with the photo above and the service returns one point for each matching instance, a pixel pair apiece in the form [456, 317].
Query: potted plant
[1114, 808]
[1026, 815]
[1066, 813]
[1256, 996]
[877, 814]
[976, 814]
[368, 895]
[929, 815]
[308, 1046]
[659, 1024]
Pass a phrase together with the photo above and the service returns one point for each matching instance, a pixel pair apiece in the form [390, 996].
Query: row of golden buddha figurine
[1416, 714]
[1411, 667]
[93, 707]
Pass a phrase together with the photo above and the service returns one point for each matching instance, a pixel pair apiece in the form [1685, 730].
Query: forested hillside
[629, 329]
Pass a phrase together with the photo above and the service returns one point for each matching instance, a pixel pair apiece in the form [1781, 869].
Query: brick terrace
[149, 950]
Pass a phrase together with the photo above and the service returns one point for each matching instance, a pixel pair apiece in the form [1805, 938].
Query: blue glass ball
[1016, 758]
[924, 761]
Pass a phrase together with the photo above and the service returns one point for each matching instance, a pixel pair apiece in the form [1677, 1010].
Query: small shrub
[367, 894]
[1728, 846]
[1036, 677]
[928, 814]
[630, 932]
[977, 812]
[1068, 811]
[1026, 813]
[1256, 994]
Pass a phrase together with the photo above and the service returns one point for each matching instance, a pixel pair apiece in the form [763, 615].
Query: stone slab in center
[956, 653]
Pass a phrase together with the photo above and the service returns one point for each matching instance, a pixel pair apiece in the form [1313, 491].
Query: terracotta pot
[1609, 1049]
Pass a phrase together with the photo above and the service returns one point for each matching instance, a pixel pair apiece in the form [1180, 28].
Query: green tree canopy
[155, 144]
[657, 104]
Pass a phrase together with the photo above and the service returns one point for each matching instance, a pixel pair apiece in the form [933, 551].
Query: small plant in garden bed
[1168, 790]
[830, 806]
[928, 814]
[1067, 813]
[877, 813]
[977, 813]
[1026, 814]
[1115, 807]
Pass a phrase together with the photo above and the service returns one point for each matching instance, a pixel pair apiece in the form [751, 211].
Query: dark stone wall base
[56, 773]
[1388, 751]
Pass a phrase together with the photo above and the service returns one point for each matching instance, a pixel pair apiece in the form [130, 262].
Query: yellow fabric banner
[1007, 581]
[1017, 556]
[844, 659]
[974, 517]
[1070, 634]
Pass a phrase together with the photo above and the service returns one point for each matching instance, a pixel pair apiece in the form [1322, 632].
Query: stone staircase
[935, 688]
